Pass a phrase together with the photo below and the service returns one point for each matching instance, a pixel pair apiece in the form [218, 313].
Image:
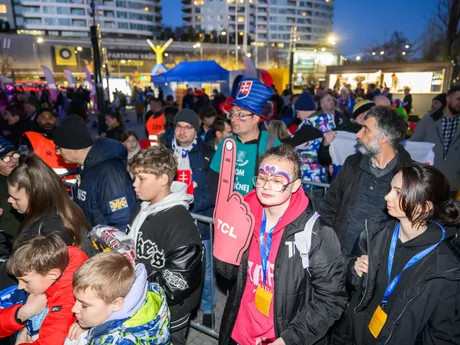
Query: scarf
[184, 171]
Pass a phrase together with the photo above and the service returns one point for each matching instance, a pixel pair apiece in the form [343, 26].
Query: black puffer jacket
[304, 306]
[426, 309]
[341, 197]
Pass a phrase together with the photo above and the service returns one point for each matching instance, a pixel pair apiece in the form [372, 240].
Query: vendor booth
[425, 80]
[207, 75]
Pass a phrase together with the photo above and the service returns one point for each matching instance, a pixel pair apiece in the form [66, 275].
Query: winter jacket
[425, 309]
[55, 326]
[429, 129]
[306, 301]
[200, 158]
[340, 199]
[16, 131]
[105, 192]
[116, 133]
[169, 245]
[143, 319]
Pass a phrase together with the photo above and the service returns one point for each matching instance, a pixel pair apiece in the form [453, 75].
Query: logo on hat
[245, 89]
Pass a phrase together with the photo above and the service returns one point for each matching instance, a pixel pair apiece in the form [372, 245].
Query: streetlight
[79, 49]
[403, 53]
[40, 40]
[198, 45]
[248, 55]
[407, 46]
[382, 52]
[373, 53]
[332, 40]
[358, 58]
[223, 33]
[323, 49]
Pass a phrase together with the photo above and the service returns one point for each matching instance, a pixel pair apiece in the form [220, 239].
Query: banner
[51, 83]
[65, 56]
[89, 78]
[344, 145]
[70, 78]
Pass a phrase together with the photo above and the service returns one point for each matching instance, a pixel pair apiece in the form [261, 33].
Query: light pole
[224, 33]
[246, 26]
[95, 42]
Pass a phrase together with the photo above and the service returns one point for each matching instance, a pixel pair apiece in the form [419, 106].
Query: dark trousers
[180, 337]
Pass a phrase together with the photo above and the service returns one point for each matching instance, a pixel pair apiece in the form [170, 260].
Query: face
[393, 198]
[110, 121]
[91, 311]
[148, 187]
[47, 121]
[69, 156]
[435, 104]
[131, 143]
[37, 284]
[453, 101]
[275, 174]
[327, 103]
[303, 114]
[368, 138]
[344, 95]
[406, 91]
[30, 109]
[185, 133]
[225, 133]
[10, 118]
[18, 199]
[207, 121]
[243, 121]
[7, 168]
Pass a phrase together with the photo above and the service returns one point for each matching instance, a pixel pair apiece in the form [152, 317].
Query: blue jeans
[208, 294]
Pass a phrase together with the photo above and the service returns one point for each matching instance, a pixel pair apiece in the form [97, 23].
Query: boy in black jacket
[167, 240]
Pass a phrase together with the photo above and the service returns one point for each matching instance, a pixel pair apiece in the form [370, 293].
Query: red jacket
[56, 324]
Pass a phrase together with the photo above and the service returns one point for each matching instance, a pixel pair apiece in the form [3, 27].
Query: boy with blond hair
[166, 238]
[115, 304]
[44, 267]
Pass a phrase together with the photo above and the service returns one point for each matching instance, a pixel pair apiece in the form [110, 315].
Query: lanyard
[265, 245]
[416, 258]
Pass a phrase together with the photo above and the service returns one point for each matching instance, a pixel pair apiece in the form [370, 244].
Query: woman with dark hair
[17, 123]
[407, 273]
[37, 192]
[115, 125]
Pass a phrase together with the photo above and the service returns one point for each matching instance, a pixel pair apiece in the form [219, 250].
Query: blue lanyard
[416, 258]
[265, 246]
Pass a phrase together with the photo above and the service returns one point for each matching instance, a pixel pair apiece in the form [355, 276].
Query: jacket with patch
[104, 188]
[306, 302]
[426, 307]
[168, 243]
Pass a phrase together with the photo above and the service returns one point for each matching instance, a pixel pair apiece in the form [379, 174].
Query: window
[3, 9]
[77, 11]
[50, 21]
[64, 21]
[63, 10]
[32, 21]
[78, 22]
[49, 9]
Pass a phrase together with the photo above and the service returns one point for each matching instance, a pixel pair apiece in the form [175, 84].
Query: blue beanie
[305, 102]
[5, 147]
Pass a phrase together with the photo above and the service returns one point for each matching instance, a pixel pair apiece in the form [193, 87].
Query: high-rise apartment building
[72, 18]
[269, 21]
[6, 12]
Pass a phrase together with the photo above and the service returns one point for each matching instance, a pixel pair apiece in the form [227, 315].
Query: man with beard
[40, 141]
[357, 193]
[442, 127]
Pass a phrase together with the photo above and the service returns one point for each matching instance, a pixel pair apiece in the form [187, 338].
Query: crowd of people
[376, 260]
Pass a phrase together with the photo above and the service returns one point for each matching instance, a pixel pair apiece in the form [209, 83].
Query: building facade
[72, 18]
[269, 21]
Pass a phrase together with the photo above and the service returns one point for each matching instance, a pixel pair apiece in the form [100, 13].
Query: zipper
[367, 283]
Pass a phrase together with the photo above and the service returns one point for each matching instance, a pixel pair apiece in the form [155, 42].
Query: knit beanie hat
[5, 147]
[362, 107]
[73, 134]
[305, 102]
[188, 116]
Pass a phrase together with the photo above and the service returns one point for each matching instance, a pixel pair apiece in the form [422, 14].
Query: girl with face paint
[276, 315]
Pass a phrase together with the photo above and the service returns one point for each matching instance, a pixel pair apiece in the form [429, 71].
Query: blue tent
[196, 71]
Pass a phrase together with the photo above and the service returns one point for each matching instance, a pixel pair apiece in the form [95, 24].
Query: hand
[23, 337]
[34, 305]
[278, 341]
[361, 265]
[103, 135]
[1, 211]
[75, 331]
[329, 138]
[233, 220]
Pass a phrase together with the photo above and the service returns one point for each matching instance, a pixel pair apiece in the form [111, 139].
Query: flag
[65, 56]
[70, 78]
[51, 83]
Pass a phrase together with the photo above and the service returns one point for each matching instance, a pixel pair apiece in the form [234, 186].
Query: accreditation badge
[377, 322]
[263, 300]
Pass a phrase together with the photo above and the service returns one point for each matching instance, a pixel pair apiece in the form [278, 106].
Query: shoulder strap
[303, 240]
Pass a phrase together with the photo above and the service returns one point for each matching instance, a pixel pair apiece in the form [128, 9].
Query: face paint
[272, 170]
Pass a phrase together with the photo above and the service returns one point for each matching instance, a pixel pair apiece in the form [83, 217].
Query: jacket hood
[150, 324]
[104, 150]
[76, 258]
[297, 205]
[136, 296]
[177, 197]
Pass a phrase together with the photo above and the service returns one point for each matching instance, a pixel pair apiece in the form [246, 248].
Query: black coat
[341, 197]
[426, 309]
[304, 306]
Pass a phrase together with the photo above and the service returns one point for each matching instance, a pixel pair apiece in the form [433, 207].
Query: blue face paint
[272, 170]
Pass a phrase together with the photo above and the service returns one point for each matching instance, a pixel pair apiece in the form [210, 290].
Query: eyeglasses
[276, 186]
[185, 128]
[7, 159]
[240, 116]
